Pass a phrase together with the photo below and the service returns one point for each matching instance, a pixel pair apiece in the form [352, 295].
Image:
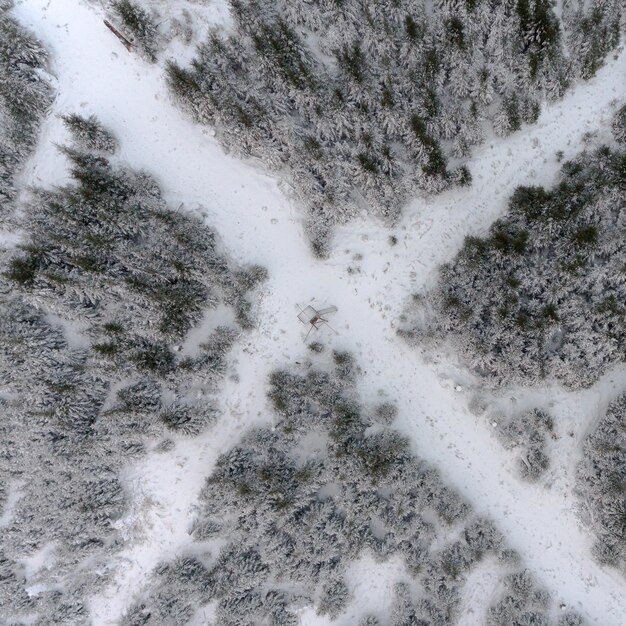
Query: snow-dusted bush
[143, 396]
[571, 619]
[533, 463]
[251, 277]
[316, 347]
[542, 295]
[13, 597]
[89, 134]
[25, 94]
[521, 604]
[187, 419]
[527, 431]
[178, 586]
[386, 412]
[404, 611]
[159, 22]
[524, 603]
[334, 598]
[601, 479]
[482, 537]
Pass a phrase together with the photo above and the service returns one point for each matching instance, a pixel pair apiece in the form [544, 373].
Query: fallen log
[119, 35]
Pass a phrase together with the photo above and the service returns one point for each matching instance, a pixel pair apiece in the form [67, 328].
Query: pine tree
[140, 25]
[25, 95]
[89, 134]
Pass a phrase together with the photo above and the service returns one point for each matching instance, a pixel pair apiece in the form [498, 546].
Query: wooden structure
[315, 318]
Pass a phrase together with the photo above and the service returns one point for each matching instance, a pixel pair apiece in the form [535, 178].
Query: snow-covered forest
[367, 103]
[97, 302]
[542, 296]
[601, 478]
[179, 180]
[294, 504]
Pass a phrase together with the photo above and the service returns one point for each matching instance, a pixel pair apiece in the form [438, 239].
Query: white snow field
[258, 223]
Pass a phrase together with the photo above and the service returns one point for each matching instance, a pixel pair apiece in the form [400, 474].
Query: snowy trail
[257, 225]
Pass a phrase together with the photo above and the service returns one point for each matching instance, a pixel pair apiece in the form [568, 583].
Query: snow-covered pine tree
[25, 94]
[291, 518]
[89, 134]
[139, 24]
[601, 475]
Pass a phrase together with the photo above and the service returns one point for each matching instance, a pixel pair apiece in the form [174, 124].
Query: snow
[370, 584]
[12, 498]
[257, 223]
[222, 315]
[42, 558]
[9, 239]
[482, 587]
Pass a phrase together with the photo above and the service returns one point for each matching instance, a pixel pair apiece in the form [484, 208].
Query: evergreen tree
[601, 476]
[140, 25]
[619, 125]
[25, 96]
[89, 134]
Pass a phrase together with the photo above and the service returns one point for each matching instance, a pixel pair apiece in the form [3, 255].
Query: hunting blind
[315, 318]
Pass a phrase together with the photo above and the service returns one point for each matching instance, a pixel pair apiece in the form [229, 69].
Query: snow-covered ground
[258, 223]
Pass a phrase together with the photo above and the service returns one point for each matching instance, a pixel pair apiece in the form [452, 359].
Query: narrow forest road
[257, 224]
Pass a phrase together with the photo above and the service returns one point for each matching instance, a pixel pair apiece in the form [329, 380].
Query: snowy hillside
[448, 416]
